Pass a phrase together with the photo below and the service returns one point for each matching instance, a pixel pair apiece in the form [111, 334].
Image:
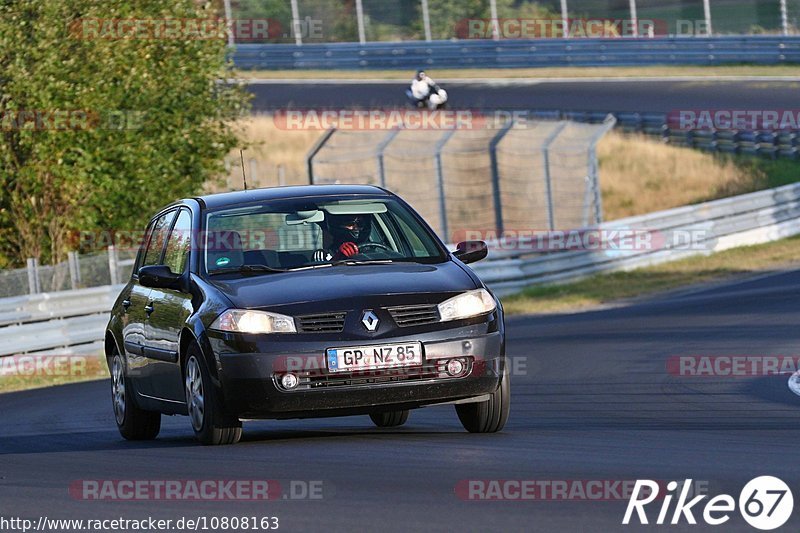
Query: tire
[210, 424]
[133, 423]
[390, 419]
[489, 416]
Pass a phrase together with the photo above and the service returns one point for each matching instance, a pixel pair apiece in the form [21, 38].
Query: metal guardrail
[65, 322]
[72, 322]
[762, 50]
[714, 226]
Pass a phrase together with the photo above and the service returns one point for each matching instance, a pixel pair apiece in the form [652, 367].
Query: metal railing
[762, 50]
[705, 228]
[74, 321]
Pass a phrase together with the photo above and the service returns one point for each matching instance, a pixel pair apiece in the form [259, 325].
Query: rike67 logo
[765, 503]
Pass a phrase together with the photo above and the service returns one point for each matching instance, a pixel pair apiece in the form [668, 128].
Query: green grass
[618, 286]
[72, 369]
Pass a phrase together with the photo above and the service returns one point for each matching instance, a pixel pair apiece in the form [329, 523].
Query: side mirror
[159, 277]
[471, 251]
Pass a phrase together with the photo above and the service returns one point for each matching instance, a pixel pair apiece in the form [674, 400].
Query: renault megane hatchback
[300, 302]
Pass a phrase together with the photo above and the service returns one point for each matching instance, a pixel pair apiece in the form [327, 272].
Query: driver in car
[345, 233]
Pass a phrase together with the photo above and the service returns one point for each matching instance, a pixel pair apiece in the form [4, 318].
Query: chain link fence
[107, 267]
[523, 176]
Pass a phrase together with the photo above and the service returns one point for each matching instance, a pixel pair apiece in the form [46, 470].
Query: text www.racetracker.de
[198, 523]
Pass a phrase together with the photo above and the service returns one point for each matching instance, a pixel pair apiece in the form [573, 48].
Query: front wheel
[133, 423]
[489, 416]
[390, 419]
[209, 422]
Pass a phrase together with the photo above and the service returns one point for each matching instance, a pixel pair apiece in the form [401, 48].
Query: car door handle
[149, 308]
[125, 305]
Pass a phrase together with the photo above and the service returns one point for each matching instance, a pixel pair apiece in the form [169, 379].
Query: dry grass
[554, 72]
[32, 372]
[640, 175]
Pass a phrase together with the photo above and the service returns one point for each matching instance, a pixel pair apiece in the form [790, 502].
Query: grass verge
[656, 71]
[613, 287]
[26, 372]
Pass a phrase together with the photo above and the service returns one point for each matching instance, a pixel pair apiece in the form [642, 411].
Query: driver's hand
[348, 249]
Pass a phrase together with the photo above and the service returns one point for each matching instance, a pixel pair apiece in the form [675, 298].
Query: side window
[157, 237]
[179, 242]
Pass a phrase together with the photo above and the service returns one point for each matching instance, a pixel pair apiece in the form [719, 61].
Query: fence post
[594, 177]
[548, 186]
[313, 152]
[74, 269]
[381, 147]
[113, 262]
[34, 284]
[296, 29]
[426, 20]
[254, 174]
[360, 22]
[281, 175]
[498, 200]
[440, 181]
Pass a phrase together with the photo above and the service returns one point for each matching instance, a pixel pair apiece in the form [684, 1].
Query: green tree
[142, 120]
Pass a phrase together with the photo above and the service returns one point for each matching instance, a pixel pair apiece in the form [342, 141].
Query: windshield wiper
[355, 262]
[246, 269]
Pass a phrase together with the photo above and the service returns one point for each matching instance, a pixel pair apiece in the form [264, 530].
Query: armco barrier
[516, 53]
[718, 225]
[73, 321]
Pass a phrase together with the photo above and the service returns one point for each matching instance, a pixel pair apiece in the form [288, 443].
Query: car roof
[213, 201]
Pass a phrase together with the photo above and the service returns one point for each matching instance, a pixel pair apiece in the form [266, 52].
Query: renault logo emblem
[370, 321]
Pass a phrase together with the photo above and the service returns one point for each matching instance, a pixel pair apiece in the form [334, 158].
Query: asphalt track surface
[591, 401]
[660, 96]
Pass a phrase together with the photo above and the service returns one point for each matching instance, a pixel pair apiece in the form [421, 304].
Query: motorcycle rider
[425, 91]
[345, 233]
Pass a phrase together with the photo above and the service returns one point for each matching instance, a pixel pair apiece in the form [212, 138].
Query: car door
[169, 310]
[136, 305]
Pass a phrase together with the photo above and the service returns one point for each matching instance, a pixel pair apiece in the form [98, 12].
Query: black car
[299, 302]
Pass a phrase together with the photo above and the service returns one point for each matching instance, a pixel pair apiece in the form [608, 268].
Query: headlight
[244, 321]
[472, 303]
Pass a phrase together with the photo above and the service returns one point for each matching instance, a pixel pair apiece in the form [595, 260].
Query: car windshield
[315, 232]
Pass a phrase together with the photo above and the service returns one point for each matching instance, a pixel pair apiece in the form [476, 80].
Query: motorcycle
[436, 99]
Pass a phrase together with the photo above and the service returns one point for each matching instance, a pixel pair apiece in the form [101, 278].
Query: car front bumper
[249, 370]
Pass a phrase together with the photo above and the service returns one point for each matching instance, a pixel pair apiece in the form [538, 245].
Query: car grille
[414, 315]
[323, 323]
[432, 370]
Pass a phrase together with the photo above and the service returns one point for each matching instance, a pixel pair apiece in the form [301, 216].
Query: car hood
[344, 283]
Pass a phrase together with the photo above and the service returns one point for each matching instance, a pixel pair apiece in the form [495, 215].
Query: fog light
[455, 367]
[289, 381]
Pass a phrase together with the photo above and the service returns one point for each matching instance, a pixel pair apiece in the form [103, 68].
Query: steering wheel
[375, 245]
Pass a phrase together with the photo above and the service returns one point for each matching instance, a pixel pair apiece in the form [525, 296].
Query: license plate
[356, 358]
